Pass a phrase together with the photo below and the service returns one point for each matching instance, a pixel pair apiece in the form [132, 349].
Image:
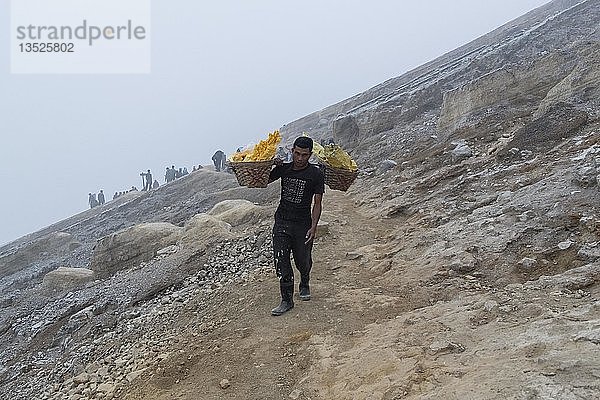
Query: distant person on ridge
[101, 199]
[302, 187]
[155, 184]
[147, 178]
[219, 160]
[170, 174]
[92, 200]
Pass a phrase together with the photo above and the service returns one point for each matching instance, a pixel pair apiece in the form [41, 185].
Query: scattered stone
[527, 264]
[573, 279]
[565, 245]
[460, 152]
[382, 267]
[135, 374]
[353, 255]
[82, 378]
[444, 346]
[585, 176]
[385, 166]
[168, 250]
[106, 388]
[589, 252]
[224, 383]
[490, 305]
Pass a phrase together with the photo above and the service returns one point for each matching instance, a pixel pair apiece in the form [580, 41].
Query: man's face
[300, 157]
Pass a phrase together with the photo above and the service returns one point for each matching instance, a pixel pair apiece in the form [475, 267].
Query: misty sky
[224, 73]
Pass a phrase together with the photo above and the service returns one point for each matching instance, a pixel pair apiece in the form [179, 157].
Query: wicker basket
[254, 174]
[339, 179]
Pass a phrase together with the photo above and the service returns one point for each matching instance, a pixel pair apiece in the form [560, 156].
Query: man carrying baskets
[296, 220]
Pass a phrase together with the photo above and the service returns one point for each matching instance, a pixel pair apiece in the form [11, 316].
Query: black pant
[289, 237]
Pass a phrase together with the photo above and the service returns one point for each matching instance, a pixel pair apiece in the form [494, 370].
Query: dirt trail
[264, 357]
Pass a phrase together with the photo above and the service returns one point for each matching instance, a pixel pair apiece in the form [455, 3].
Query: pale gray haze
[224, 73]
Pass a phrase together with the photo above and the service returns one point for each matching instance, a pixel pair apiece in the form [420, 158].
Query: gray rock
[460, 152]
[490, 305]
[224, 383]
[168, 250]
[527, 264]
[107, 388]
[53, 244]
[385, 166]
[573, 279]
[238, 212]
[345, 131]
[65, 278]
[445, 346]
[585, 176]
[353, 255]
[82, 378]
[589, 252]
[565, 245]
[130, 247]
[135, 374]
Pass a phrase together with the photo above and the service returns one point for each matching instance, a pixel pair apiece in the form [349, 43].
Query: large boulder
[237, 212]
[561, 120]
[56, 244]
[581, 84]
[202, 230]
[131, 246]
[346, 132]
[66, 278]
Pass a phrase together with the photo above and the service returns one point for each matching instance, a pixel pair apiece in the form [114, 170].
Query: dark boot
[304, 293]
[287, 302]
[282, 308]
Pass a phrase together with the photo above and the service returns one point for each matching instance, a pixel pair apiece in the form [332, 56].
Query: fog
[223, 74]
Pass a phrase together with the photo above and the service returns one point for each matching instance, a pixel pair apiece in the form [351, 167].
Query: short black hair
[304, 142]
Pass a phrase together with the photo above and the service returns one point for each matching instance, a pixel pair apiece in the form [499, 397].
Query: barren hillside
[464, 263]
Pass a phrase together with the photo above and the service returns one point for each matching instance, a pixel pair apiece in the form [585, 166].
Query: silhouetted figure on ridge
[92, 200]
[219, 160]
[147, 178]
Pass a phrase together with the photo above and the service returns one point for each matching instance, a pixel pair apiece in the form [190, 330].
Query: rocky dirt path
[378, 328]
[234, 348]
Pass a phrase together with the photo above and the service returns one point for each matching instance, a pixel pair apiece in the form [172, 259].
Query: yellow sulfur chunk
[334, 156]
[264, 150]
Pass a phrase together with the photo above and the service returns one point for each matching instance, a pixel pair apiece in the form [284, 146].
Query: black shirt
[297, 190]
